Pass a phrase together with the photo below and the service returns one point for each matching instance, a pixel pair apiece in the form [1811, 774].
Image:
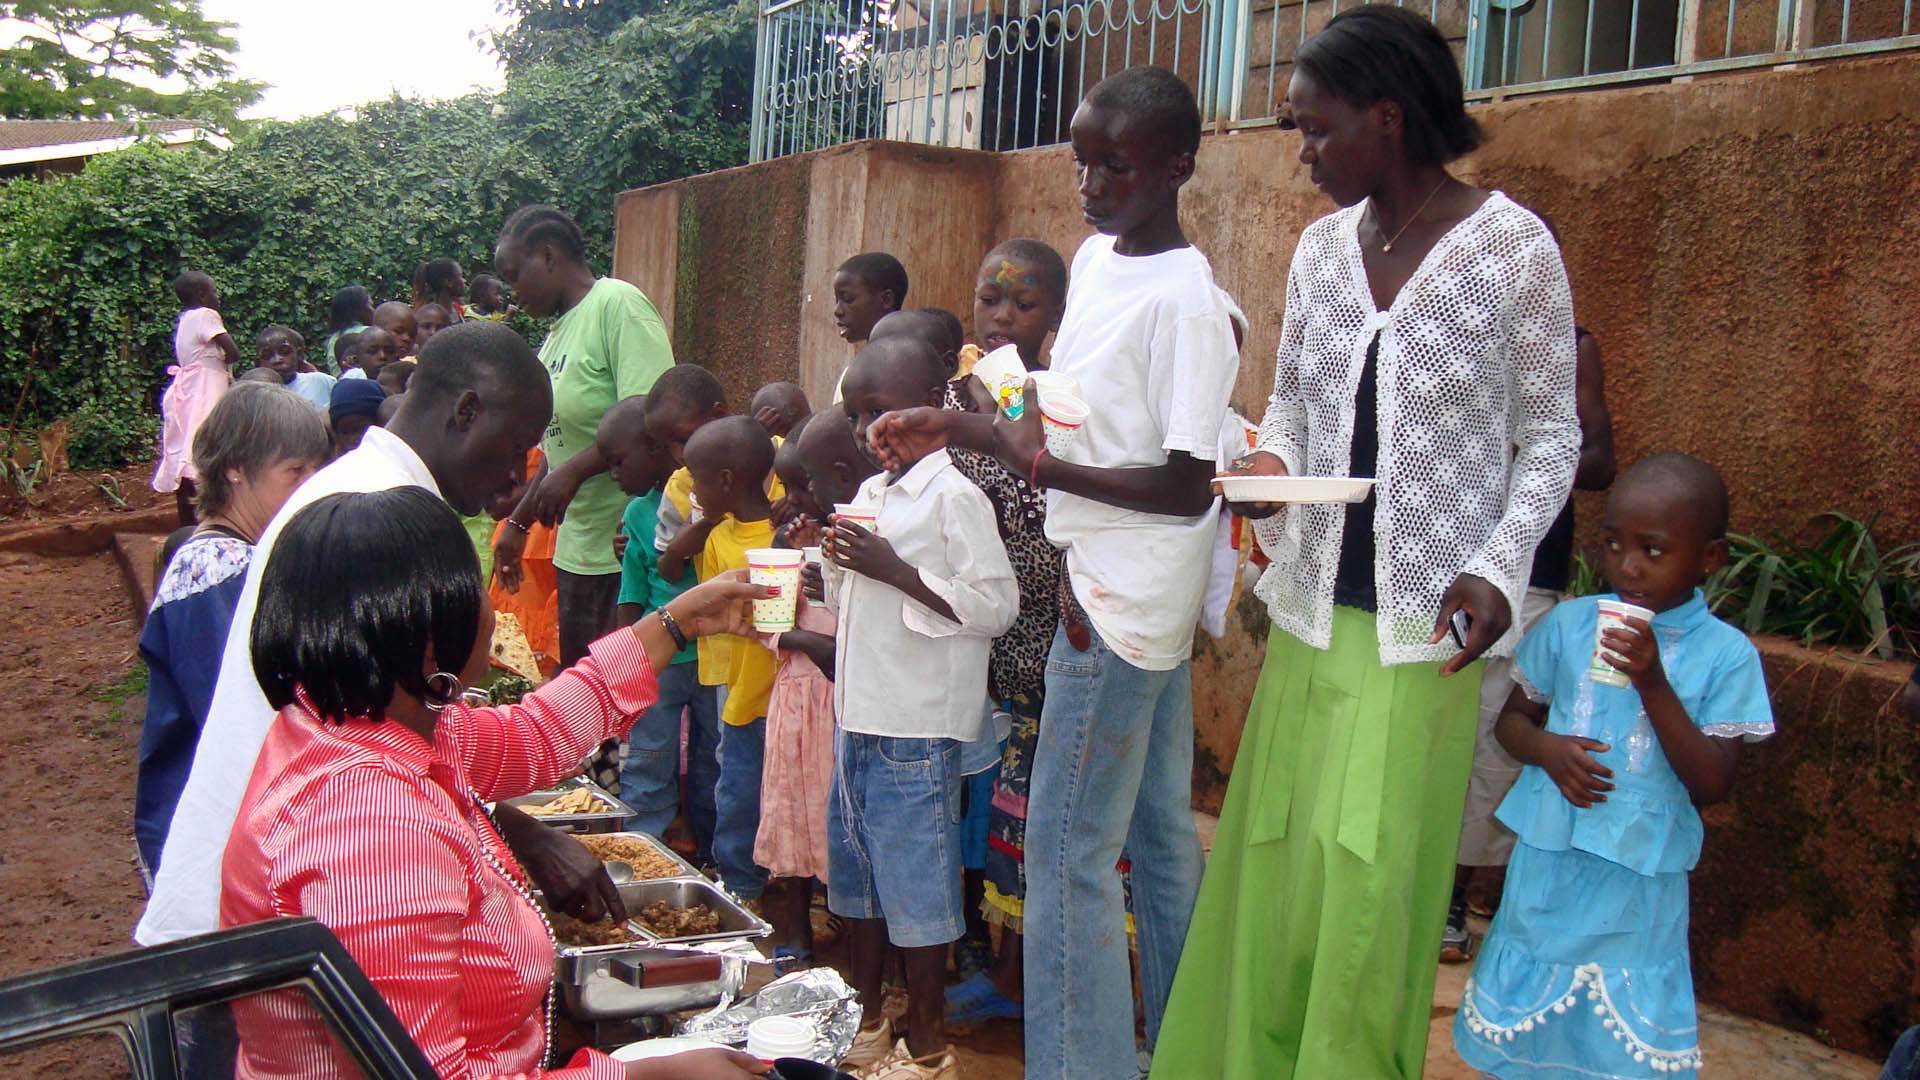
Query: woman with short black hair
[1428, 343]
[367, 806]
[257, 445]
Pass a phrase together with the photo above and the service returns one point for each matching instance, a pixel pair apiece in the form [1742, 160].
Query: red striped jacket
[380, 835]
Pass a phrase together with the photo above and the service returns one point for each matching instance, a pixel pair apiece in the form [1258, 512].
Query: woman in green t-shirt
[607, 343]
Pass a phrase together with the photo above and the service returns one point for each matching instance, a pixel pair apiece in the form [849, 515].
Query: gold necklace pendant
[1387, 245]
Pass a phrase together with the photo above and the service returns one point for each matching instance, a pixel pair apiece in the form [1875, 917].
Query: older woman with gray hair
[257, 445]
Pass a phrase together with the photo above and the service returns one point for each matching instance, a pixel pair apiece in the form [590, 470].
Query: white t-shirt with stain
[1150, 341]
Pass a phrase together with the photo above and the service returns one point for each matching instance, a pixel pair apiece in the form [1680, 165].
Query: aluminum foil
[818, 995]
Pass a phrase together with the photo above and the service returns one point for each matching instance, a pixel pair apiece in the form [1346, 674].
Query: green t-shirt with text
[612, 345]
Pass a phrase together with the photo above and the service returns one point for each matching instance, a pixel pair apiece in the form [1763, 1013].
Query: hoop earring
[443, 689]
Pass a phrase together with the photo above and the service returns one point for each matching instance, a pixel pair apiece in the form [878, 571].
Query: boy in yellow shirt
[729, 460]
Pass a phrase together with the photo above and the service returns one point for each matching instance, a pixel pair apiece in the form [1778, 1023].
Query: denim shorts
[893, 836]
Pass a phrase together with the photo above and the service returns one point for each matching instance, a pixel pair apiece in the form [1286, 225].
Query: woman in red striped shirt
[367, 807]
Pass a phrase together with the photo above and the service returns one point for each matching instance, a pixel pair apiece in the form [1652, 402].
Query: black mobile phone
[1461, 625]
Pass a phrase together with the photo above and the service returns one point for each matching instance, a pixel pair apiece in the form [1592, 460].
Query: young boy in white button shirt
[1148, 337]
[920, 600]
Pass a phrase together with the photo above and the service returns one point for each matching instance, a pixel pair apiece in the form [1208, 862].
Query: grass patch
[115, 694]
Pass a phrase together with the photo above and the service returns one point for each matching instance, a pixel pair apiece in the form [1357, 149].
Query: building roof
[24, 141]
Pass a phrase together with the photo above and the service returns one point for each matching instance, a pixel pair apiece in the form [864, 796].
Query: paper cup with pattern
[781, 567]
[1046, 382]
[1005, 377]
[1613, 616]
[867, 517]
[1061, 416]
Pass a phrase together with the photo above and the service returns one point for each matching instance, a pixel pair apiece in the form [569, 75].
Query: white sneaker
[902, 1065]
[870, 1047]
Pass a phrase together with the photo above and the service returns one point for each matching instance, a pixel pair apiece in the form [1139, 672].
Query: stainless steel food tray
[735, 920]
[686, 869]
[596, 822]
[611, 982]
[638, 978]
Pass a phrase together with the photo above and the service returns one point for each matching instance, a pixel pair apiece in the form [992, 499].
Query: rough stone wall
[1806, 902]
[721, 255]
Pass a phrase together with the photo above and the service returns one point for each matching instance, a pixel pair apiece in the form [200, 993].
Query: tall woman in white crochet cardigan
[1428, 341]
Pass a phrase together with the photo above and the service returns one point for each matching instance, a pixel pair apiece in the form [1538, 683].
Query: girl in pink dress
[204, 354]
[798, 769]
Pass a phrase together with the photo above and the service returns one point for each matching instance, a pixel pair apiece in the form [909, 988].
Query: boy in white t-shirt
[1148, 337]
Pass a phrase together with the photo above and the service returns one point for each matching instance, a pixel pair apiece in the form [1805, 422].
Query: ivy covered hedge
[296, 210]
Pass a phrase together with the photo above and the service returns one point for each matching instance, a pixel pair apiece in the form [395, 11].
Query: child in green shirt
[650, 776]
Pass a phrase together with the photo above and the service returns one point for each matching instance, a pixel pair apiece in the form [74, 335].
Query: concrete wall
[1744, 247]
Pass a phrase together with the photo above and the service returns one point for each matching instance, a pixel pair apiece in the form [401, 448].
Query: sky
[321, 57]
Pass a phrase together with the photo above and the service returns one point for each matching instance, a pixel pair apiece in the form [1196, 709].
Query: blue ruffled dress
[1585, 972]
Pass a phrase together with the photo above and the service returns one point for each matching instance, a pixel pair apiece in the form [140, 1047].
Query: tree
[667, 95]
[550, 29]
[107, 59]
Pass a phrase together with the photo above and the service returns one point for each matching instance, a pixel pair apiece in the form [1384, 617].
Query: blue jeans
[1113, 771]
[893, 836]
[1904, 1062]
[703, 768]
[736, 802]
[650, 778]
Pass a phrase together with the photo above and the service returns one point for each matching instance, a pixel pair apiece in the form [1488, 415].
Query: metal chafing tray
[682, 868]
[735, 921]
[610, 820]
[606, 982]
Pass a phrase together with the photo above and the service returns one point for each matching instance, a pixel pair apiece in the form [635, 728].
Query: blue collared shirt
[1648, 823]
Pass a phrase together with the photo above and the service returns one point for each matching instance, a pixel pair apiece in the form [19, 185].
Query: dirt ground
[83, 492]
[67, 752]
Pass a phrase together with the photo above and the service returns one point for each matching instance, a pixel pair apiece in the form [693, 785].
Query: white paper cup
[1002, 373]
[1061, 416]
[1613, 616]
[812, 554]
[867, 517]
[773, 1037]
[775, 566]
[1045, 381]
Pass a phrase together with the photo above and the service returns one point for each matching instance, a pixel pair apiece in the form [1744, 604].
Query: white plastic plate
[653, 1048]
[1294, 489]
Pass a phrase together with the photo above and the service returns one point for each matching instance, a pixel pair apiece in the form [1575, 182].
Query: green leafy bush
[1839, 590]
[296, 210]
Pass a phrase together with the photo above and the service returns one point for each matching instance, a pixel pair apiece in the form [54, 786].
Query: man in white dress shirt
[477, 404]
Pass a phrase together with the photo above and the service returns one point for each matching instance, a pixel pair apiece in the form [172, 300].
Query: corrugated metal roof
[26, 134]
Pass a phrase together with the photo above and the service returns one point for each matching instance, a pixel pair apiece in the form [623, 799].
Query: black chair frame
[139, 995]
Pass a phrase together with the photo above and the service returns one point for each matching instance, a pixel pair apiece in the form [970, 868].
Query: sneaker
[870, 1047]
[1456, 941]
[902, 1065]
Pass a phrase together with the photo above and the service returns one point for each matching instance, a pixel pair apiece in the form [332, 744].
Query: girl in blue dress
[1585, 971]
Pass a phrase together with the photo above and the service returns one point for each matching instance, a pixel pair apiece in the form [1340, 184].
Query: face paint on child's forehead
[1009, 275]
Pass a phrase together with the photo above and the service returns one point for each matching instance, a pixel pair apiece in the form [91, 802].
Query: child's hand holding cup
[1613, 616]
[866, 517]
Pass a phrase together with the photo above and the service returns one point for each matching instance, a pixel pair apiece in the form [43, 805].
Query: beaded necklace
[526, 893]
